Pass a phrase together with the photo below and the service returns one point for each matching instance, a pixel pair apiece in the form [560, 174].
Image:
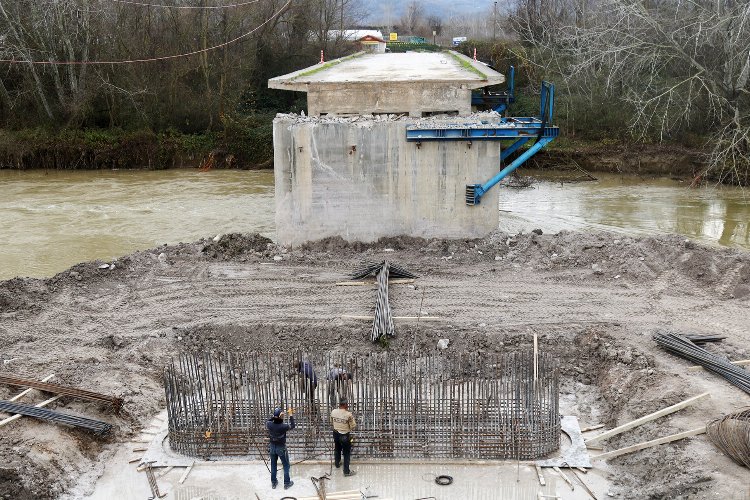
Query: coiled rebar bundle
[732, 435]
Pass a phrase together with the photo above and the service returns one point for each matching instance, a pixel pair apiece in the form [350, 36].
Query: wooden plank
[649, 444]
[166, 471]
[647, 418]
[397, 281]
[742, 362]
[40, 405]
[540, 475]
[26, 391]
[592, 427]
[395, 318]
[567, 480]
[186, 473]
[585, 487]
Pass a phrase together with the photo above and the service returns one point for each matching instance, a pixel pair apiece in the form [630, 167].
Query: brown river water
[50, 220]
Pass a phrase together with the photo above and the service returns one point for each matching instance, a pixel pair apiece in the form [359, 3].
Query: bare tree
[413, 16]
[674, 63]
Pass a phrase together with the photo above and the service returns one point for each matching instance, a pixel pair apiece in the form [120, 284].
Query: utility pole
[494, 22]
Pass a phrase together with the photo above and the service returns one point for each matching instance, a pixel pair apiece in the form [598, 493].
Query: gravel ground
[593, 299]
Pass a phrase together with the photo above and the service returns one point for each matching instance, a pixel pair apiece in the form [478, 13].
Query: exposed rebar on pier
[480, 406]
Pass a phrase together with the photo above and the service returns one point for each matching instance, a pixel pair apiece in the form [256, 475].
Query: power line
[195, 7]
[154, 59]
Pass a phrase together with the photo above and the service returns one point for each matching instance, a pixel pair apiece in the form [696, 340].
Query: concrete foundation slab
[575, 455]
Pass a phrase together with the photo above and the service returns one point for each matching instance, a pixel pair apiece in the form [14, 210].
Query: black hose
[444, 480]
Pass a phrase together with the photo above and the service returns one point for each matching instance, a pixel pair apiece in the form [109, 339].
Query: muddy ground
[593, 299]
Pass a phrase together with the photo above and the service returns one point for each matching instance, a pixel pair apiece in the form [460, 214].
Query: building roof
[371, 38]
[354, 35]
[449, 68]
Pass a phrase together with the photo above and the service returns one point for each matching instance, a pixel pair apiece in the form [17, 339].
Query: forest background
[167, 83]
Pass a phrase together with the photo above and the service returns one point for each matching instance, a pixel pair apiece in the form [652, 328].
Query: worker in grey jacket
[277, 430]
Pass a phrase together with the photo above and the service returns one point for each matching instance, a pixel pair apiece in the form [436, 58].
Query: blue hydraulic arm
[474, 192]
[519, 129]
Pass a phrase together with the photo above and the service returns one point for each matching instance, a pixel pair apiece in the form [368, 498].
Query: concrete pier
[347, 170]
[359, 179]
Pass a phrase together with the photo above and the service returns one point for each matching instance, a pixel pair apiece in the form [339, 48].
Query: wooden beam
[398, 281]
[165, 471]
[26, 391]
[567, 480]
[540, 475]
[186, 473]
[40, 405]
[742, 362]
[592, 427]
[649, 444]
[647, 418]
[395, 318]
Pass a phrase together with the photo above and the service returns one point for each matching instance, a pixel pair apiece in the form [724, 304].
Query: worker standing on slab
[277, 430]
[338, 386]
[343, 424]
[309, 379]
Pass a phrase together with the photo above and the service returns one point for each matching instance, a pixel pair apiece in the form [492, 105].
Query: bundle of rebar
[383, 322]
[732, 435]
[476, 405]
[373, 268]
[684, 348]
[57, 417]
[62, 390]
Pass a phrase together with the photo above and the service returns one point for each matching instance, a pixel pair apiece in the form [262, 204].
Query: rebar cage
[479, 405]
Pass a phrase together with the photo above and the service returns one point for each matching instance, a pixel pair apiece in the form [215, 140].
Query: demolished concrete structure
[357, 176]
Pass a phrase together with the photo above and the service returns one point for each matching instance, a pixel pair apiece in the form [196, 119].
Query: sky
[380, 9]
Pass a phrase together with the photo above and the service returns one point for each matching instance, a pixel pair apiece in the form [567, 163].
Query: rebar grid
[481, 406]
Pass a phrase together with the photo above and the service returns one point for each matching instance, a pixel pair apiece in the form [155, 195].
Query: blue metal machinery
[519, 129]
[497, 101]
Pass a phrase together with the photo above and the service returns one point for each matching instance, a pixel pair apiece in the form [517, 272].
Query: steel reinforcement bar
[96, 426]
[480, 406]
[62, 390]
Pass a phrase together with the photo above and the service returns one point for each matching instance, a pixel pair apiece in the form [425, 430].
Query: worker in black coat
[277, 430]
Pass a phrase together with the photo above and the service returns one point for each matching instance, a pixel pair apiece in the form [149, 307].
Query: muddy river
[52, 220]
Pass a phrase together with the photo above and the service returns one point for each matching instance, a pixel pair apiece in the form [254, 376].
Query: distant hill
[378, 10]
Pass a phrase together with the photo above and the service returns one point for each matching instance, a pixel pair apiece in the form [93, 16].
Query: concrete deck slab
[415, 83]
[422, 67]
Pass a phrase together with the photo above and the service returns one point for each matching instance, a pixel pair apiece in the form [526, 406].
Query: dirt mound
[11, 487]
[233, 245]
[21, 293]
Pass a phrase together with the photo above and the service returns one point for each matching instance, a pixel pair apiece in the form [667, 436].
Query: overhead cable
[193, 7]
[154, 59]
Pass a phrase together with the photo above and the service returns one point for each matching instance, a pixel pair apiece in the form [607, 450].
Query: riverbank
[248, 144]
[241, 144]
[593, 299]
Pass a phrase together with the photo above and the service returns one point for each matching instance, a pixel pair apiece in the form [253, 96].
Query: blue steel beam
[475, 192]
[501, 131]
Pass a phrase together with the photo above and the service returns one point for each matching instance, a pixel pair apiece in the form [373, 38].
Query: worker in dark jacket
[277, 430]
[308, 378]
